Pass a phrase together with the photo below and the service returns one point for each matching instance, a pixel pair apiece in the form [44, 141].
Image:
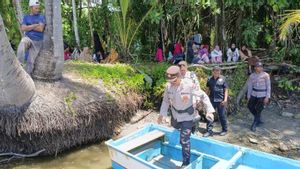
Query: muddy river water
[89, 157]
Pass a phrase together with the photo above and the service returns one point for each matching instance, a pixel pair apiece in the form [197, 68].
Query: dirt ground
[280, 133]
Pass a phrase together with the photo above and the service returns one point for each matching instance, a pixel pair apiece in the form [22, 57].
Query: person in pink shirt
[159, 55]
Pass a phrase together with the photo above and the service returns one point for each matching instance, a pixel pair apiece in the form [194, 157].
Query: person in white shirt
[216, 55]
[233, 53]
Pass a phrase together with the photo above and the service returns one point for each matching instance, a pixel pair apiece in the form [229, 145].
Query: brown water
[90, 157]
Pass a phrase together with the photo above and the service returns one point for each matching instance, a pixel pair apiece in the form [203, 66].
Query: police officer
[188, 74]
[217, 88]
[259, 93]
[181, 97]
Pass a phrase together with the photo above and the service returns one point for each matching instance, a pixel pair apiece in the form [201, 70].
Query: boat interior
[160, 147]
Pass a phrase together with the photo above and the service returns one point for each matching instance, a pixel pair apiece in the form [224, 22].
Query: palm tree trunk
[223, 28]
[49, 63]
[16, 87]
[19, 11]
[75, 24]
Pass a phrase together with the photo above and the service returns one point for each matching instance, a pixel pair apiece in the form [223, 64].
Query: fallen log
[210, 67]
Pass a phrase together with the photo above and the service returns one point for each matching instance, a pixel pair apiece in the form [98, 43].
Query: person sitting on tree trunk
[33, 25]
[245, 53]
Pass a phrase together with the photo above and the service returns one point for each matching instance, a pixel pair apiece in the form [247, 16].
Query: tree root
[15, 156]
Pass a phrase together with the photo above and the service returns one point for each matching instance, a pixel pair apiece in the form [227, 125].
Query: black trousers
[256, 106]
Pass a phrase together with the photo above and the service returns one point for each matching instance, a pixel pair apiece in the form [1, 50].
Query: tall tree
[16, 86]
[90, 22]
[49, 63]
[75, 24]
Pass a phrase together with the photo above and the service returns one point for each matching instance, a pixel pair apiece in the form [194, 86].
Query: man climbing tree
[33, 25]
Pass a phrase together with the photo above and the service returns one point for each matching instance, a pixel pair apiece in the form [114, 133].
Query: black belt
[189, 110]
[259, 90]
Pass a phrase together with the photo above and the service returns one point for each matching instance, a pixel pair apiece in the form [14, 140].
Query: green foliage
[11, 23]
[155, 92]
[251, 29]
[288, 53]
[277, 4]
[202, 75]
[237, 79]
[288, 85]
[126, 28]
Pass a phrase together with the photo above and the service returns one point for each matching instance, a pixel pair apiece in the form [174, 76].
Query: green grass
[116, 77]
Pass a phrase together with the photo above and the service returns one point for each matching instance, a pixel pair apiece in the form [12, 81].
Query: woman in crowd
[245, 53]
[233, 53]
[216, 55]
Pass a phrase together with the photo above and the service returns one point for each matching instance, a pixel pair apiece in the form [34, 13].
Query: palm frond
[291, 18]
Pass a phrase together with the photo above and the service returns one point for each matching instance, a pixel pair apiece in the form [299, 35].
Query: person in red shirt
[67, 54]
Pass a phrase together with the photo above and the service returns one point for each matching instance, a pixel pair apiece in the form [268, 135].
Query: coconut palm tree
[291, 18]
[16, 86]
[49, 63]
[126, 28]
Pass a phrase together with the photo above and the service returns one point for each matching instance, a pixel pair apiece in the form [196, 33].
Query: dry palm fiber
[55, 121]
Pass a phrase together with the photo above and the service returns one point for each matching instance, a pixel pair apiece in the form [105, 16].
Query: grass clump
[115, 77]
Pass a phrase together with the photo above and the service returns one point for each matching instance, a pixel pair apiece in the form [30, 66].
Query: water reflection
[89, 157]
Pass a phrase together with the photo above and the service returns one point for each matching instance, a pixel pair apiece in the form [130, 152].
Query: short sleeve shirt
[217, 88]
[34, 19]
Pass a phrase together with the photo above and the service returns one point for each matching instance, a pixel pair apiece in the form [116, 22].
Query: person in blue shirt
[218, 94]
[33, 25]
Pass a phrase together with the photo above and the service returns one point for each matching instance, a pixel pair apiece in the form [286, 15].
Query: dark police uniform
[217, 92]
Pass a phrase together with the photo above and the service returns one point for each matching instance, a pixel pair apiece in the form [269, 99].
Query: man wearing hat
[217, 89]
[181, 97]
[259, 93]
[33, 25]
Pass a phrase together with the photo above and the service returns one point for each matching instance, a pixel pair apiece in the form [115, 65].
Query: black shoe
[207, 134]
[183, 166]
[223, 133]
[253, 127]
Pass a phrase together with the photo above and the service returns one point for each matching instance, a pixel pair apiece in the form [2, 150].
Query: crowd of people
[198, 53]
